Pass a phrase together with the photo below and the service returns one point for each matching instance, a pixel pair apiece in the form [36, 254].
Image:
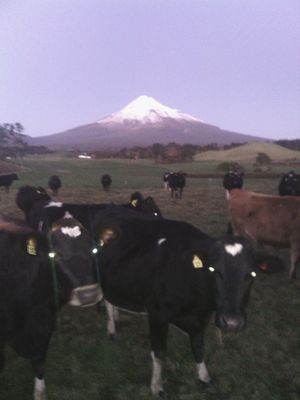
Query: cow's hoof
[210, 387]
[159, 395]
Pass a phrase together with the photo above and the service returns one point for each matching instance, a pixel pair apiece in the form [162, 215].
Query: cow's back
[272, 219]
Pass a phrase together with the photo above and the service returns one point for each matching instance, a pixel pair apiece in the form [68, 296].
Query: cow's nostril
[231, 322]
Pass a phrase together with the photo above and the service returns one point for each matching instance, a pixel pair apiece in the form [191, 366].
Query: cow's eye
[51, 254]
[253, 274]
[211, 269]
[95, 250]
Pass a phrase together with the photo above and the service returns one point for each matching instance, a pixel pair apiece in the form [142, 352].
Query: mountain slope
[142, 122]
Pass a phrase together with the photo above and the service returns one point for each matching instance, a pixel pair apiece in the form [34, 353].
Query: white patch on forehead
[233, 249]
[72, 232]
[54, 204]
[68, 215]
[161, 240]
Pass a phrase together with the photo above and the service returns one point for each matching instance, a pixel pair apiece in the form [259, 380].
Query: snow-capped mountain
[145, 109]
[142, 122]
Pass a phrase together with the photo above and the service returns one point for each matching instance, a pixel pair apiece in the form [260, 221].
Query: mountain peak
[146, 109]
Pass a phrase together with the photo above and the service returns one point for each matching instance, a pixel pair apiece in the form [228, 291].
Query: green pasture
[261, 363]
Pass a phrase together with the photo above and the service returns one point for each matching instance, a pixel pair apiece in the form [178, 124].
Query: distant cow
[177, 275]
[28, 195]
[289, 184]
[273, 220]
[37, 278]
[232, 180]
[176, 183]
[165, 180]
[54, 184]
[106, 182]
[7, 180]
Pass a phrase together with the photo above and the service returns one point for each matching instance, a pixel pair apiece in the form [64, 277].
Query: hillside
[248, 152]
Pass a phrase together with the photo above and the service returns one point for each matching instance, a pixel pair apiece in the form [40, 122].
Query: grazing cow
[54, 184]
[177, 275]
[232, 180]
[7, 180]
[289, 184]
[37, 277]
[273, 220]
[176, 183]
[106, 182]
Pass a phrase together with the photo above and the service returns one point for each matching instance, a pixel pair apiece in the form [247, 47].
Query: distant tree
[157, 150]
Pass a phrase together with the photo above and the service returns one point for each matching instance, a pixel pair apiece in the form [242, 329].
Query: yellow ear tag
[31, 247]
[197, 263]
[134, 203]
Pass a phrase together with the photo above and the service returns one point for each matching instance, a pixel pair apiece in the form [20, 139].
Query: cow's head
[73, 256]
[146, 205]
[233, 271]
[233, 180]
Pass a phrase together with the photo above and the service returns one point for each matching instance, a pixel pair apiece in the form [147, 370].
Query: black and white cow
[177, 275]
[7, 179]
[176, 183]
[289, 184]
[37, 277]
[54, 184]
[41, 215]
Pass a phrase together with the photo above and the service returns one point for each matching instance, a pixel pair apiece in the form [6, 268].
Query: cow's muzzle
[85, 296]
[231, 322]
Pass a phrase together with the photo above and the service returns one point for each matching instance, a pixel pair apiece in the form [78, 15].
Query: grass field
[261, 363]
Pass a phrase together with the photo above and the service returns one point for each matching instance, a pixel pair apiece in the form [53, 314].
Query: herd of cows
[135, 259]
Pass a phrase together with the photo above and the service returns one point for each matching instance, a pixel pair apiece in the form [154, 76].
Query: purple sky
[231, 63]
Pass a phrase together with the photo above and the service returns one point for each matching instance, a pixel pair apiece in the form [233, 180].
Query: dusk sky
[231, 63]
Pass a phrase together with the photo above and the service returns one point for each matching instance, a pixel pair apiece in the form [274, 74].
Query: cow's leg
[158, 339]
[295, 258]
[112, 317]
[39, 391]
[197, 345]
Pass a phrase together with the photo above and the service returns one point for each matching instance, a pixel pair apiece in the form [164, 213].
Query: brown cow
[273, 220]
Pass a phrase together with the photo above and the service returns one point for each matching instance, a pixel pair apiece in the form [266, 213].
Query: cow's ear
[108, 234]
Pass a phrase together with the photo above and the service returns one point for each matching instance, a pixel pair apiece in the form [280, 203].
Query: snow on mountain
[145, 109]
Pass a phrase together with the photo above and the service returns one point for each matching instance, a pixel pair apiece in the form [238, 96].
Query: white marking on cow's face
[233, 249]
[71, 231]
[54, 204]
[203, 374]
[161, 240]
[39, 389]
[68, 215]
